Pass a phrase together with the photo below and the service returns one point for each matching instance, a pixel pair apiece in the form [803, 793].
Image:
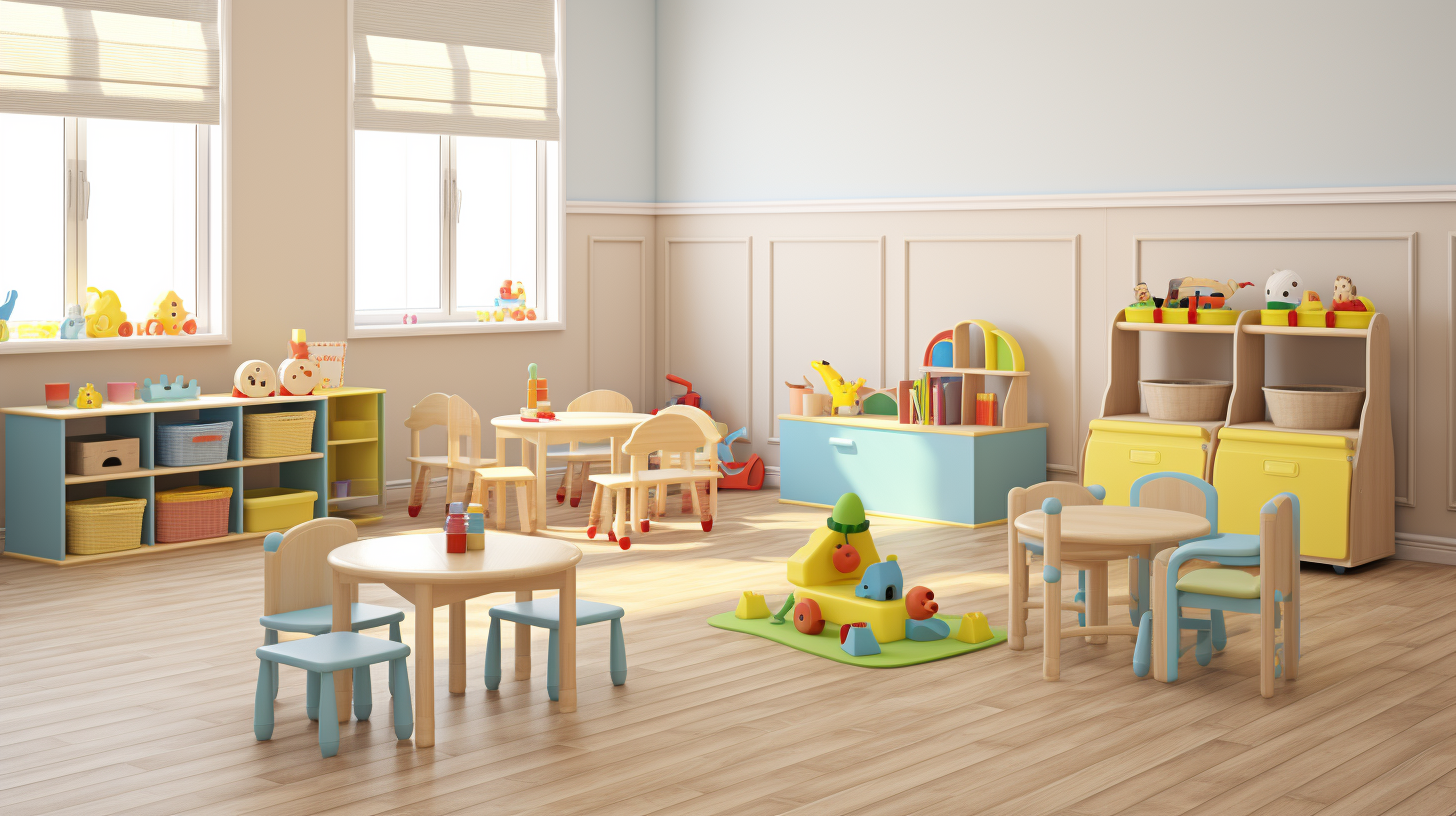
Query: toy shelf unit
[1345, 478]
[950, 474]
[356, 448]
[997, 355]
[1124, 443]
[37, 485]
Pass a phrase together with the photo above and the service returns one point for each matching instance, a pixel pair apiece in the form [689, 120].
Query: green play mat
[826, 644]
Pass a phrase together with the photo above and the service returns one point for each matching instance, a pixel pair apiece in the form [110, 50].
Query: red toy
[846, 557]
[844, 630]
[920, 603]
[692, 397]
[807, 618]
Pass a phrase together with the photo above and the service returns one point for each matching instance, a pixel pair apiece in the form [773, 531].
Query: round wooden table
[569, 426]
[420, 571]
[1092, 536]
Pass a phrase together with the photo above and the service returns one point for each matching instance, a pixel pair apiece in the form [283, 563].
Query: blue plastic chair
[296, 574]
[546, 614]
[322, 656]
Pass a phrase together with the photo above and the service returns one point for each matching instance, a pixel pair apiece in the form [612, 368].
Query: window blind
[118, 59]
[461, 67]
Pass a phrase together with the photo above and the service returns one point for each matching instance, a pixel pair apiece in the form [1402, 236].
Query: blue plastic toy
[928, 629]
[9, 305]
[858, 641]
[74, 325]
[882, 581]
[164, 391]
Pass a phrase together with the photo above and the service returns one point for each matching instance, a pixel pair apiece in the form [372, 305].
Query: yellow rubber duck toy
[88, 397]
[841, 392]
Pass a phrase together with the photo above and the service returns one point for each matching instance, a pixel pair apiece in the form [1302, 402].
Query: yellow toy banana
[842, 393]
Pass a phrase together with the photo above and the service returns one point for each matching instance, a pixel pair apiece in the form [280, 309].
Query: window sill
[471, 327]
[39, 346]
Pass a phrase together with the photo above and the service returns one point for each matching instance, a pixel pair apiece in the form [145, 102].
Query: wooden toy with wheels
[254, 379]
[169, 317]
[300, 373]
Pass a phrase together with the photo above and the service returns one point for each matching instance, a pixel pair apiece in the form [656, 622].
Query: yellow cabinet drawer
[1254, 466]
[1118, 452]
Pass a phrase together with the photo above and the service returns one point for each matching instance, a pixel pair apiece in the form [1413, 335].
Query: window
[442, 223]
[115, 204]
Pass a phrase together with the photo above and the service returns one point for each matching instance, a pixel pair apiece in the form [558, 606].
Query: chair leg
[394, 636]
[565, 486]
[1142, 651]
[328, 717]
[363, 693]
[594, 517]
[311, 696]
[420, 489]
[618, 660]
[270, 638]
[500, 505]
[553, 661]
[404, 715]
[263, 702]
[449, 486]
[1051, 636]
[1266, 646]
[493, 656]
[1080, 596]
[579, 484]
[1203, 647]
[1220, 634]
[523, 506]
[635, 520]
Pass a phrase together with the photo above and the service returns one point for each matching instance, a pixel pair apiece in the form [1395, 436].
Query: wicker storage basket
[193, 443]
[269, 435]
[1315, 407]
[193, 512]
[1187, 400]
[104, 524]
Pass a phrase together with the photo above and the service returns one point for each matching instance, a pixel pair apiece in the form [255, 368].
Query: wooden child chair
[1273, 595]
[298, 597]
[1021, 549]
[433, 411]
[670, 434]
[497, 478]
[695, 494]
[580, 457]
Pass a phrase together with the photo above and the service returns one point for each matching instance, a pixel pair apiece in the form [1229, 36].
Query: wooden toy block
[858, 640]
[751, 606]
[882, 581]
[920, 603]
[254, 379]
[926, 630]
[974, 628]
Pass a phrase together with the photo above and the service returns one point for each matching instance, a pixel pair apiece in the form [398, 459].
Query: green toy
[784, 610]
[848, 516]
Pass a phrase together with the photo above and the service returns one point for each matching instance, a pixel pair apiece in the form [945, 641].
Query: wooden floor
[128, 688]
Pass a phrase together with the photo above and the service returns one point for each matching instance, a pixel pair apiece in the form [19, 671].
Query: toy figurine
[882, 581]
[844, 394]
[1200, 293]
[88, 397]
[5, 309]
[410, 319]
[104, 317]
[169, 317]
[163, 391]
[1345, 298]
[254, 379]
[1281, 291]
[74, 325]
[920, 603]
[298, 375]
[1144, 298]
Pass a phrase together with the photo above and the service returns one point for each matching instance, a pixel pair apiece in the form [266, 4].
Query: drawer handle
[1274, 467]
[1143, 457]
[841, 442]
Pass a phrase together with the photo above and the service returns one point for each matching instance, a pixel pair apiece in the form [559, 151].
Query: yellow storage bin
[1179, 317]
[1254, 466]
[1119, 452]
[104, 524]
[266, 436]
[276, 508]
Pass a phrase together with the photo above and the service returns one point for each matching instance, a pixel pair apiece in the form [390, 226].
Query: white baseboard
[771, 475]
[1431, 549]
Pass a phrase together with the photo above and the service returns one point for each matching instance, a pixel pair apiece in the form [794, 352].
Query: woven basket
[193, 512]
[104, 524]
[269, 435]
[193, 443]
[1186, 400]
[1315, 407]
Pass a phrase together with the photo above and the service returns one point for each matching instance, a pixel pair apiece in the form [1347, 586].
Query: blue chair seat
[545, 613]
[321, 656]
[320, 619]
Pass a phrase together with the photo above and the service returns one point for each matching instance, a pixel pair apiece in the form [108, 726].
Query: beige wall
[867, 290]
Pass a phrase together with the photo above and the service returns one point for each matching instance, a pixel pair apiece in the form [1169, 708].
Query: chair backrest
[1279, 547]
[462, 426]
[1170, 490]
[427, 413]
[1070, 494]
[296, 573]
[601, 400]
[669, 433]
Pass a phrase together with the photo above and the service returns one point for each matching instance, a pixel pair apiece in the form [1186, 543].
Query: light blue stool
[322, 656]
[546, 614]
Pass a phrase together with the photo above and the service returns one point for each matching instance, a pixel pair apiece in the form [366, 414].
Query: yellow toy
[843, 394]
[1284, 305]
[169, 317]
[88, 397]
[751, 606]
[974, 628]
[104, 317]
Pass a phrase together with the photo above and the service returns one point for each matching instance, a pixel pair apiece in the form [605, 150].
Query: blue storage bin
[185, 444]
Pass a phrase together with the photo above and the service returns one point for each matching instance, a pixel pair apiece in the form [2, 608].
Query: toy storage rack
[973, 382]
[356, 447]
[36, 481]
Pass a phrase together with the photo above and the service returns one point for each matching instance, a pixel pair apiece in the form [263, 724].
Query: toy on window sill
[410, 320]
[168, 316]
[299, 374]
[104, 317]
[88, 397]
[163, 391]
[37, 330]
[5, 309]
[74, 325]
[254, 379]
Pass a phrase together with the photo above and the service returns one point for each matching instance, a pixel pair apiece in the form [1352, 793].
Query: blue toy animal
[882, 581]
[74, 325]
[9, 305]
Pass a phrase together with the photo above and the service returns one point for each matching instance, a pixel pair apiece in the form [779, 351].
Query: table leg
[540, 486]
[457, 647]
[566, 643]
[500, 448]
[424, 665]
[523, 641]
[343, 622]
[1096, 600]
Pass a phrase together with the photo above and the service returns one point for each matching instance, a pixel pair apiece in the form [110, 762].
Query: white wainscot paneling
[1382, 265]
[827, 302]
[708, 323]
[1027, 285]
[617, 316]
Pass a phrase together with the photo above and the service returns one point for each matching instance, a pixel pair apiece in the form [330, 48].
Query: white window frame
[210, 307]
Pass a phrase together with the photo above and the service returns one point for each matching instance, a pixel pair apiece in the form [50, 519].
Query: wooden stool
[321, 656]
[524, 480]
[546, 614]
